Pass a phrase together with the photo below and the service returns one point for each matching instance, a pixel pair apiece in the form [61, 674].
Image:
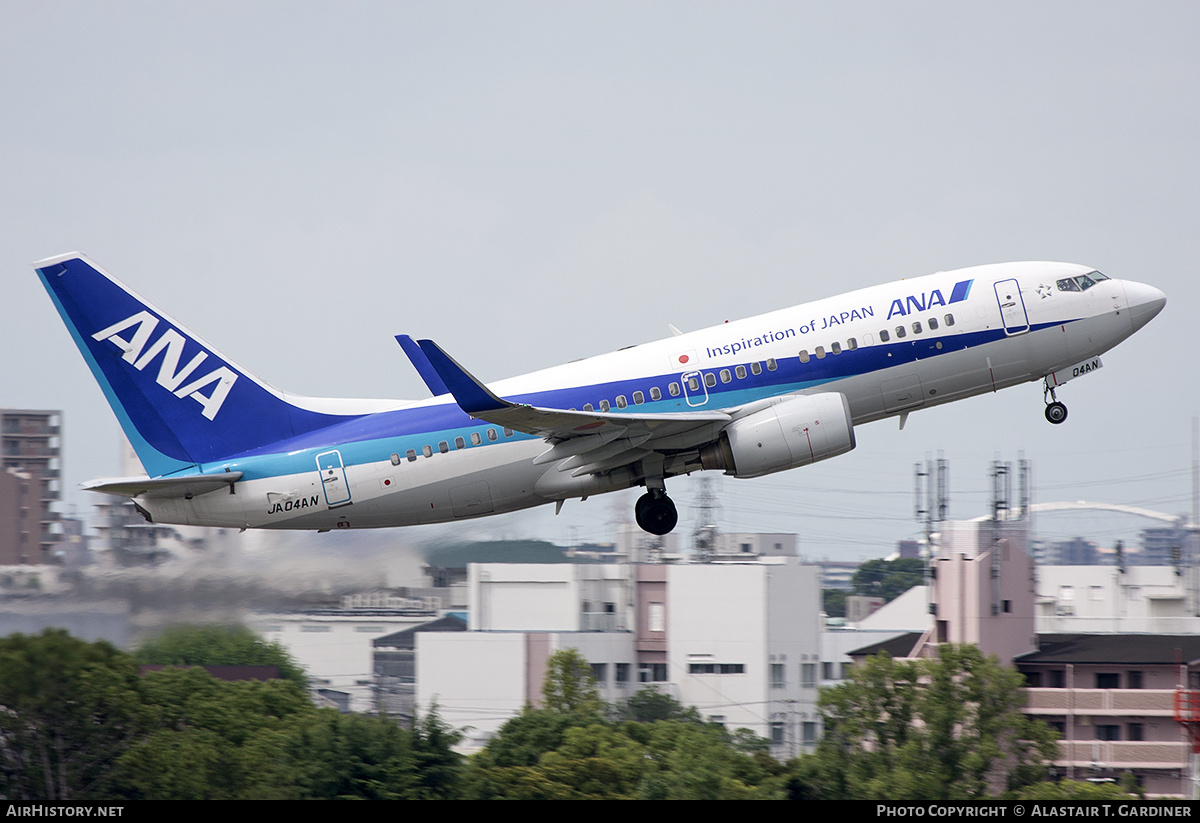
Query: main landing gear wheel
[655, 513]
[1056, 412]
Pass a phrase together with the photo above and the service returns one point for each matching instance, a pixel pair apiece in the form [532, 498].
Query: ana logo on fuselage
[927, 300]
[170, 345]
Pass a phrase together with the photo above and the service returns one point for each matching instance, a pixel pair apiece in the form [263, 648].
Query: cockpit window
[1082, 282]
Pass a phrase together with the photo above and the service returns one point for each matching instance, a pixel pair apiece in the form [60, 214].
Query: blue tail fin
[180, 402]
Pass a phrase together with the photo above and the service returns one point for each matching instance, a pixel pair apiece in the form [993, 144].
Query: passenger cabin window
[674, 389]
[820, 352]
[740, 371]
[900, 332]
[476, 439]
[726, 376]
[694, 383]
[443, 447]
[395, 460]
[427, 451]
[588, 407]
[459, 443]
[851, 344]
[835, 347]
[508, 432]
[710, 380]
[949, 319]
[933, 324]
[621, 402]
[771, 364]
[917, 327]
[756, 367]
[411, 454]
[638, 398]
[803, 355]
[492, 434]
[655, 393]
[604, 406]
[884, 336]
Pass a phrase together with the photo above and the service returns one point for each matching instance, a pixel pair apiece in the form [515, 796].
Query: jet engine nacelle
[793, 433]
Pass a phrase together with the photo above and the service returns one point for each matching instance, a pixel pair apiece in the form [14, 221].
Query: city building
[30, 475]
[740, 641]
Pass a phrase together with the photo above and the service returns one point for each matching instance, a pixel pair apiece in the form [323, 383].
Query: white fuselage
[992, 327]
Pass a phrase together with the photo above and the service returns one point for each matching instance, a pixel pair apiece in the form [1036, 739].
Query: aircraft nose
[1145, 302]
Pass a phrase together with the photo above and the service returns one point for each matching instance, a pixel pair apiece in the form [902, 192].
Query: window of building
[731, 668]
[652, 672]
[622, 673]
[808, 732]
[1108, 731]
[778, 680]
[776, 733]
[600, 672]
[1133, 680]
[1135, 732]
[1058, 678]
[1108, 680]
[808, 675]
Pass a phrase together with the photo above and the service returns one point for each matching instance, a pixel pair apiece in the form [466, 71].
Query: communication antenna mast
[707, 507]
[931, 493]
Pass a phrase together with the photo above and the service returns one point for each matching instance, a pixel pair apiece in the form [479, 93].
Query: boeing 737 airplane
[749, 398]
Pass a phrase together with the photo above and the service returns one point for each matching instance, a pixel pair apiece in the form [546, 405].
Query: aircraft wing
[595, 441]
[188, 486]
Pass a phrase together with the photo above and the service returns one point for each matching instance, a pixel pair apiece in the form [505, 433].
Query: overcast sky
[528, 183]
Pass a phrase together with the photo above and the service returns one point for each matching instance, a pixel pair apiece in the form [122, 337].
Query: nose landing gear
[1056, 412]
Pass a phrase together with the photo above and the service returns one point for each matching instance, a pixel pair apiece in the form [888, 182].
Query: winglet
[472, 396]
[422, 365]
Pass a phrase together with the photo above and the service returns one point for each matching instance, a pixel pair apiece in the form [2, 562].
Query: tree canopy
[949, 728]
[218, 646]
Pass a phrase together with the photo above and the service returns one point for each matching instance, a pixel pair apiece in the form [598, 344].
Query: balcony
[1101, 702]
[1120, 755]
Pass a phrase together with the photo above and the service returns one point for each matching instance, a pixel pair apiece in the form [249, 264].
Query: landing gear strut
[1055, 412]
[655, 512]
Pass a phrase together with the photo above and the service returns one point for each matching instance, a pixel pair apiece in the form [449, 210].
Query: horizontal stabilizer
[189, 486]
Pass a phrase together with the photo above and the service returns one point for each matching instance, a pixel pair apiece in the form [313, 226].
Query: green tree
[648, 705]
[570, 686]
[70, 710]
[943, 729]
[218, 646]
[888, 578]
